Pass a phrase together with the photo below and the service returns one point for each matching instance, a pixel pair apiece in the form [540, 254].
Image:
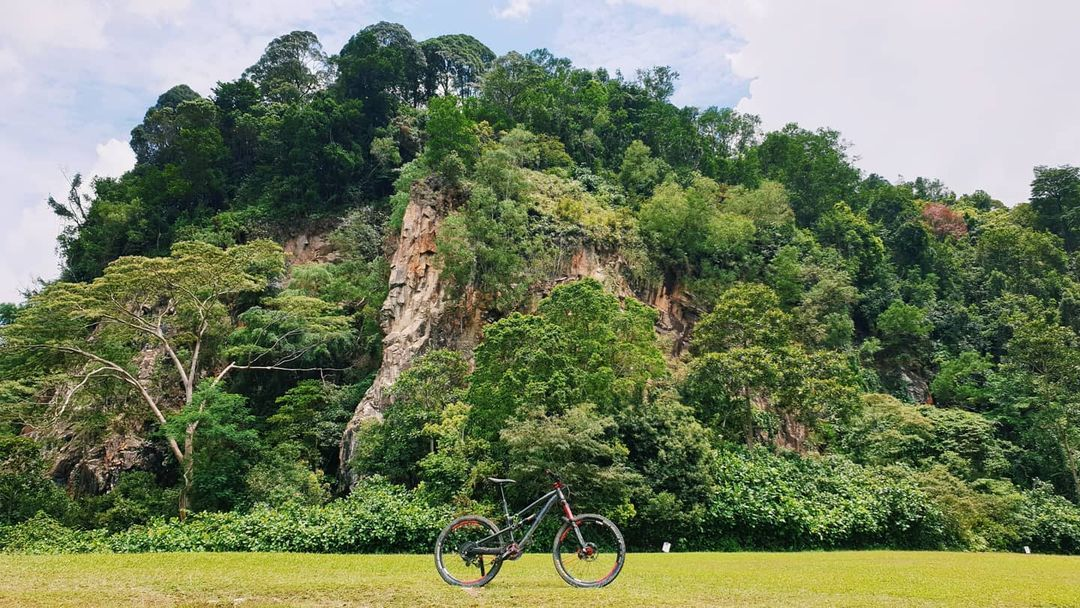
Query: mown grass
[873, 578]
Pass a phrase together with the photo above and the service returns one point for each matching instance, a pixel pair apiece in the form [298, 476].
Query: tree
[1044, 358]
[1055, 198]
[158, 325]
[768, 204]
[583, 446]
[749, 379]
[383, 66]
[813, 165]
[292, 68]
[75, 206]
[1020, 260]
[8, 311]
[747, 314]
[944, 221]
[395, 445]
[150, 139]
[449, 132]
[964, 382]
[686, 228]
[640, 172]
[581, 347]
[728, 133]
[658, 82]
[786, 395]
[455, 63]
[903, 329]
[507, 84]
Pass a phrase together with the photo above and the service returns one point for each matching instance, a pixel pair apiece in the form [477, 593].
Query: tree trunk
[749, 426]
[1070, 458]
[187, 470]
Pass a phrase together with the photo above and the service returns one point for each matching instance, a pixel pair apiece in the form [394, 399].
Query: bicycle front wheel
[454, 559]
[594, 559]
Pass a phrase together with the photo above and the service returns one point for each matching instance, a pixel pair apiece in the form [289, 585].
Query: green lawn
[689, 579]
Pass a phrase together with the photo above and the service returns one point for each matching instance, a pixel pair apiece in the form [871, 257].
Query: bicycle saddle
[497, 481]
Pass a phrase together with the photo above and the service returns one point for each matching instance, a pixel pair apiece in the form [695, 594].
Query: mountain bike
[589, 550]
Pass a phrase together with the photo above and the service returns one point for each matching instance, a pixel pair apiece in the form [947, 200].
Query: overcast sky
[974, 92]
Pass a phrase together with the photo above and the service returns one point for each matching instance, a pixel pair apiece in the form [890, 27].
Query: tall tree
[292, 68]
[813, 165]
[454, 64]
[383, 66]
[160, 326]
[1055, 197]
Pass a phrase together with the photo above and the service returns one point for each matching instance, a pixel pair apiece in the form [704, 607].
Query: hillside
[362, 282]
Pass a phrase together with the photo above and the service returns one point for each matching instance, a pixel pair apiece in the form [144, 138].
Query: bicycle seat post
[506, 511]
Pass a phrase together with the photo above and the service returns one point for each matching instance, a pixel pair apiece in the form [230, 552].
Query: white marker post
[666, 548]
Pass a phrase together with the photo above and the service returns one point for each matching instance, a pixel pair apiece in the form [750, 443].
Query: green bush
[1049, 522]
[376, 518]
[136, 499]
[768, 501]
[43, 534]
[24, 487]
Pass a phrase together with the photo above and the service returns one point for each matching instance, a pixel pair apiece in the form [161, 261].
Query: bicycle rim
[455, 563]
[596, 562]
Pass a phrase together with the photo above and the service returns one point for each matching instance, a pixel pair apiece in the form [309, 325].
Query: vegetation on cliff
[858, 362]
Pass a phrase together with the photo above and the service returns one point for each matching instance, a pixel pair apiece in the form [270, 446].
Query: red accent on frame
[566, 509]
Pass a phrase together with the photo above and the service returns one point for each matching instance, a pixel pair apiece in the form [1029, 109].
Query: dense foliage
[844, 361]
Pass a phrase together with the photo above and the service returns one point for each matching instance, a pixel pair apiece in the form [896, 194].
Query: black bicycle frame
[516, 522]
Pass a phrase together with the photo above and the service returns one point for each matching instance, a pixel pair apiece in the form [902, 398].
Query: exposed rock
[308, 247]
[95, 469]
[416, 316]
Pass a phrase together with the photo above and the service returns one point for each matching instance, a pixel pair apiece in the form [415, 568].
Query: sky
[973, 92]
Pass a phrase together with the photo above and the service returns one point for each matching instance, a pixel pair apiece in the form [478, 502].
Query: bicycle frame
[516, 522]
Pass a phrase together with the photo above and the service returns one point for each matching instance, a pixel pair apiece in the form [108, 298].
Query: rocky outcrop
[309, 247]
[95, 469]
[417, 315]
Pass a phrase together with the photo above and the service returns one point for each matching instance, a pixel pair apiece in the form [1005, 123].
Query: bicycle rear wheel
[597, 561]
[455, 563]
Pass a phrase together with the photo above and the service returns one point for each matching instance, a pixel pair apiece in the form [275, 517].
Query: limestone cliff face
[418, 316]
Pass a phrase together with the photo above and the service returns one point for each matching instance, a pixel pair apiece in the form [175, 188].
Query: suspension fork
[569, 515]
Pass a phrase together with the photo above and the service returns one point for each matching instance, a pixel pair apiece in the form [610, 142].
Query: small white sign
[1027, 549]
[667, 547]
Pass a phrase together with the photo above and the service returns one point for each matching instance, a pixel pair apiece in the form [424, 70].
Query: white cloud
[114, 157]
[159, 10]
[34, 25]
[80, 73]
[615, 36]
[28, 232]
[515, 9]
[27, 247]
[974, 92]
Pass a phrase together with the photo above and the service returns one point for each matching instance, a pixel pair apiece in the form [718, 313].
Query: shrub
[1050, 523]
[43, 534]
[376, 518]
[770, 501]
[24, 487]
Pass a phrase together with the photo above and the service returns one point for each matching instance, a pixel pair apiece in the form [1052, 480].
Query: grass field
[689, 579]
